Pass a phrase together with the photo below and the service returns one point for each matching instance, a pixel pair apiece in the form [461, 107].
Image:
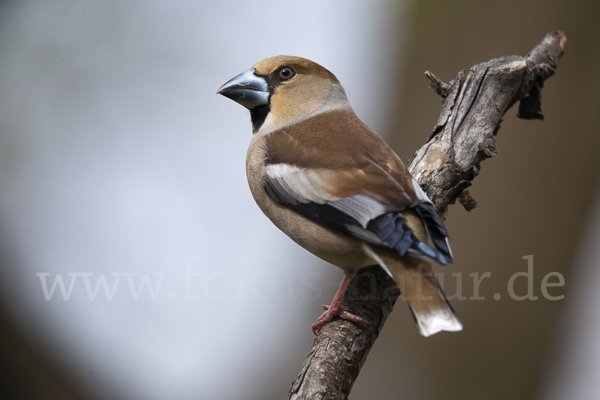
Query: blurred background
[134, 263]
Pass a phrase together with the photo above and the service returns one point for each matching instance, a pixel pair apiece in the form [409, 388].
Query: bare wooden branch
[471, 116]
[440, 87]
[444, 166]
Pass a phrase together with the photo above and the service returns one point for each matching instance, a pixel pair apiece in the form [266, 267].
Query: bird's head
[283, 90]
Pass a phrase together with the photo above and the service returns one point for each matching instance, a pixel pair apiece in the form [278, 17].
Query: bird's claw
[336, 311]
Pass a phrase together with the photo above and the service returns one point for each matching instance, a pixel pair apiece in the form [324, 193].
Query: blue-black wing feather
[390, 227]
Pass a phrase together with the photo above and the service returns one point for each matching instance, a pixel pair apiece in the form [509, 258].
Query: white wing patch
[299, 184]
[360, 207]
[304, 185]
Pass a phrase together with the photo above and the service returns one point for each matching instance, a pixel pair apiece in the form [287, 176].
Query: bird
[335, 187]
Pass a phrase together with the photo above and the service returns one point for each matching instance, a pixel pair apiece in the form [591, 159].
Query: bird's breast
[337, 248]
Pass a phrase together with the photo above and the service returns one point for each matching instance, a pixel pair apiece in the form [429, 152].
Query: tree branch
[444, 166]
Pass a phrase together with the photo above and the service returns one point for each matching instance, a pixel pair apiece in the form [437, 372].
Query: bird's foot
[336, 310]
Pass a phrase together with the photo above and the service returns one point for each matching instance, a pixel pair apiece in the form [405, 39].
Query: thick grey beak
[247, 89]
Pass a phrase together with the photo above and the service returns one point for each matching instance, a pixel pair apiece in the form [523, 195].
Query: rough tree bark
[444, 166]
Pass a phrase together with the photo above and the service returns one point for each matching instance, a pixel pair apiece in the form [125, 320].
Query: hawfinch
[337, 189]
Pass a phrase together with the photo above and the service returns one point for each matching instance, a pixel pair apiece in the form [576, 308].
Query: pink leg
[336, 310]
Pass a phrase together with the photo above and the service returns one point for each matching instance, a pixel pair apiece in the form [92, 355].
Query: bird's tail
[421, 290]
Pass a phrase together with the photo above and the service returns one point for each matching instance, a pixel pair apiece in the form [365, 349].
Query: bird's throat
[258, 116]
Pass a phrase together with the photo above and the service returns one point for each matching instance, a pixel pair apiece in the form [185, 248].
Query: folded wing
[355, 184]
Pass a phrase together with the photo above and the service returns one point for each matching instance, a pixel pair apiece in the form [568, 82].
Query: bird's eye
[286, 73]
